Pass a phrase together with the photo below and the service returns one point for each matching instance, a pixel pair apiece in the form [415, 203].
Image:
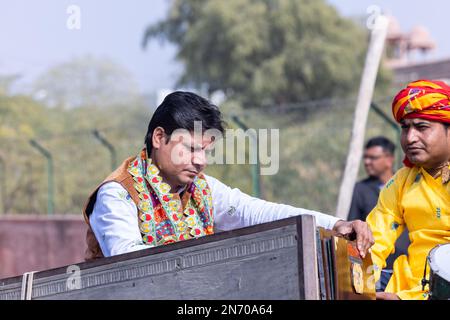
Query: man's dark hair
[387, 145]
[179, 110]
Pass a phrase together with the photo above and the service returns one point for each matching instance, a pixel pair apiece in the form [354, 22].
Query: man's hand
[356, 228]
[387, 296]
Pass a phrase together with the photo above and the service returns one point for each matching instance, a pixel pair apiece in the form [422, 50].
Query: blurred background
[79, 81]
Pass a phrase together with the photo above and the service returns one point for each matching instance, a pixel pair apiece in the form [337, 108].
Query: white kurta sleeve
[114, 221]
[235, 209]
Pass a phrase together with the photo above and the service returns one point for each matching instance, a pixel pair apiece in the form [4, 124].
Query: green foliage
[313, 148]
[265, 52]
[270, 53]
[80, 162]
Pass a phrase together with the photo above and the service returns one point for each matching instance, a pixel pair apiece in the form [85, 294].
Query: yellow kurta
[415, 199]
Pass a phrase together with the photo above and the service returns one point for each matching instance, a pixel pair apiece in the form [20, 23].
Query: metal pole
[48, 156]
[397, 129]
[367, 85]
[256, 180]
[108, 146]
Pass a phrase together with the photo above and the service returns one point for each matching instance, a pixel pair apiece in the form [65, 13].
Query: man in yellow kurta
[418, 196]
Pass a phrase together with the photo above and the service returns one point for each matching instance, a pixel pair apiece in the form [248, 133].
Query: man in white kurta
[162, 195]
[116, 227]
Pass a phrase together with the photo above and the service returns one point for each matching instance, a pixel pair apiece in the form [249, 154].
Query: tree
[21, 119]
[86, 81]
[264, 52]
[6, 82]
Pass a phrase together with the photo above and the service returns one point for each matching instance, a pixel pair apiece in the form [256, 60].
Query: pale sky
[432, 14]
[34, 35]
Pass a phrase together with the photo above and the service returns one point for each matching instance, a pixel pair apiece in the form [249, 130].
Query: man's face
[183, 157]
[425, 143]
[377, 161]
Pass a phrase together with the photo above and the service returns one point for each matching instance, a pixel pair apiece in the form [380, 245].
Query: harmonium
[288, 259]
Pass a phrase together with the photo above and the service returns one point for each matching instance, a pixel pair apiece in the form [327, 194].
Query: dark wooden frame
[264, 259]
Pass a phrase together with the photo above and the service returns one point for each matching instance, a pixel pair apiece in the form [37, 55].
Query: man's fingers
[364, 237]
[369, 238]
[359, 230]
[360, 239]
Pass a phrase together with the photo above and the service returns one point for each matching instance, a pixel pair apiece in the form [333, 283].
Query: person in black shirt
[379, 164]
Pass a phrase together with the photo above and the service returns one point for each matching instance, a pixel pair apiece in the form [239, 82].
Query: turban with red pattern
[424, 99]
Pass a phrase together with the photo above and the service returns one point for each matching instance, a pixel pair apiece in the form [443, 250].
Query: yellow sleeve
[386, 221]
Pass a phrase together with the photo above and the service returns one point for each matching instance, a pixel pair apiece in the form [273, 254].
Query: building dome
[419, 38]
[394, 31]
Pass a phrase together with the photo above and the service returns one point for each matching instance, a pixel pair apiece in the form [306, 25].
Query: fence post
[256, 179]
[109, 146]
[48, 156]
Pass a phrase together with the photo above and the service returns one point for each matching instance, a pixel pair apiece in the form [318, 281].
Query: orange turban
[424, 99]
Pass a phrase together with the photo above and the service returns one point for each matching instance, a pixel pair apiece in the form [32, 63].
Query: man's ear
[158, 137]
